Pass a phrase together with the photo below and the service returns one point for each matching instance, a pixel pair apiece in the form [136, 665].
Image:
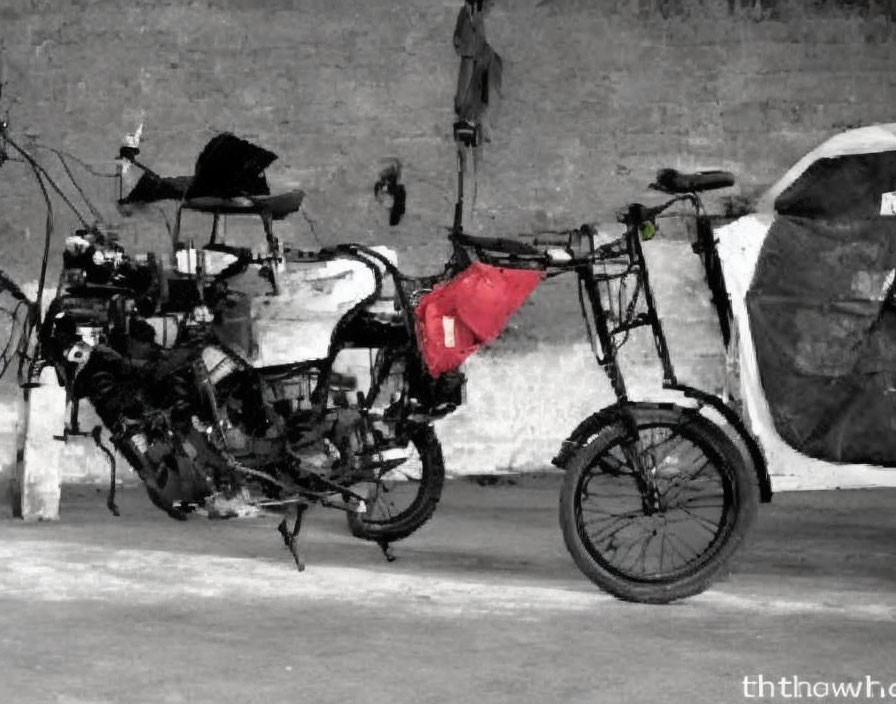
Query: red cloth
[456, 317]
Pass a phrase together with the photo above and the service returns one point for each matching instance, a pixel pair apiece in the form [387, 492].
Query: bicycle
[657, 496]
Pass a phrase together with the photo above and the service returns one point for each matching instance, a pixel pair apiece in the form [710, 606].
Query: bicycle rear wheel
[668, 530]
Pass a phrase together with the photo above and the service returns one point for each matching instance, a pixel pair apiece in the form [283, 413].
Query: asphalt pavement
[481, 605]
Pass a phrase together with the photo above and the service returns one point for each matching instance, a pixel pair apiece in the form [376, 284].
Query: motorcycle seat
[276, 206]
[673, 181]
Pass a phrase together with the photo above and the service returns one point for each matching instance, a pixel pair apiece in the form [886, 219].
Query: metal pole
[458, 226]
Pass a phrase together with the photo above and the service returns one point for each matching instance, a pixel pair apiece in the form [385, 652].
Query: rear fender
[754, 452]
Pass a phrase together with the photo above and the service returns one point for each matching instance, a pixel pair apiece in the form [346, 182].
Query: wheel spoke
[701, 521]
[610, 521]
[628, 552]
[611, 514]
[394, 490]
[612, 529]
[614, 466]
[685, 558]
[645, 544]
[694, 551]
[662, 551]
[692, 502]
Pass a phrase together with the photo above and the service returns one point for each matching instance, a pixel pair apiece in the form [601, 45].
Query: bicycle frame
[635, 218]
[604, 333]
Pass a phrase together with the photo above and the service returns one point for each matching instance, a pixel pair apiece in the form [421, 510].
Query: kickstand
[291, 537]
[110, 501]
[387, 550]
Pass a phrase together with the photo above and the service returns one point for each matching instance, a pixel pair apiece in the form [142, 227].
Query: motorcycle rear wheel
[706, 501]
[419, 480]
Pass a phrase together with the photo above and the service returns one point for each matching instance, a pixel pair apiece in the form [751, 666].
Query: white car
[810, 278]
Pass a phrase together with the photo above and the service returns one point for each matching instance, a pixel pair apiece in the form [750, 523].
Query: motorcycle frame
[374, 261]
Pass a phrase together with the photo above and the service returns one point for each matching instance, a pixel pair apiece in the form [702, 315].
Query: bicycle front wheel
[654, 509]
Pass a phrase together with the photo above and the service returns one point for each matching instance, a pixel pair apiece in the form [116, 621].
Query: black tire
[423, 498]
[603, 457]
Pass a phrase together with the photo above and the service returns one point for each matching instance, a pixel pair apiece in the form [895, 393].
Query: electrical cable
[311, 226]
[97, 215]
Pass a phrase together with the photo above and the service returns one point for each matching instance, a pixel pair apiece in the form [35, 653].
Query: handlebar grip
[637, 213]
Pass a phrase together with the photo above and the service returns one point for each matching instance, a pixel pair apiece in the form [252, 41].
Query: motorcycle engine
[268, 417]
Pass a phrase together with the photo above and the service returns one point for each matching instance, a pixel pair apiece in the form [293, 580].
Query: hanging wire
[166, 219]
[97, 215]
[35, 309]
[311, 225]
[62, 153]
[41, 173]
[13, 344]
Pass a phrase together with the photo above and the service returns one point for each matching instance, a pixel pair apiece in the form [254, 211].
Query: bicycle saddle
[673, 181]
[277, 206]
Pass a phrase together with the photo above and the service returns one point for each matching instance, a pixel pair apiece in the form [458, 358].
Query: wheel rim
[395, 492]
[666, 527]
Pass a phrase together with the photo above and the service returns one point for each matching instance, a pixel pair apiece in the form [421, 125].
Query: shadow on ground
[503, 530]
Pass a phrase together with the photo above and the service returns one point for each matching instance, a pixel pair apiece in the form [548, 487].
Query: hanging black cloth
[481, 67]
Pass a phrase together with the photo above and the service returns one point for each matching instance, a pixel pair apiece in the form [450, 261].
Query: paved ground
[483, 605]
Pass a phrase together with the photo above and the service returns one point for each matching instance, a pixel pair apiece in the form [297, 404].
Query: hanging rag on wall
[480, 66]
[479, 75]
[389, 190]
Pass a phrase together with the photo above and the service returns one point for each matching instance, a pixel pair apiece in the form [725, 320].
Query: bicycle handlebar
[636, 213]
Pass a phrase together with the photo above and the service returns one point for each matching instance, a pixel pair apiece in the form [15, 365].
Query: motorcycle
[206, 418]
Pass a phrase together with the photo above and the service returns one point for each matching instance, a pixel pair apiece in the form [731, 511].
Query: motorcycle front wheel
[666, 530]
[402, 498]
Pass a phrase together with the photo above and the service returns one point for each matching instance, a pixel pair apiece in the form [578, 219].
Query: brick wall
[598, 94]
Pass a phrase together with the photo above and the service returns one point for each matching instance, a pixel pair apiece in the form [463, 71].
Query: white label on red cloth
[888, 203]
[448, 329]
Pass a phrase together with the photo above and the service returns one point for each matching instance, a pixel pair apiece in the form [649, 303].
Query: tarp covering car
[821, 317]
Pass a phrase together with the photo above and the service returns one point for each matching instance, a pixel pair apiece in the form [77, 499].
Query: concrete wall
[598, 94]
